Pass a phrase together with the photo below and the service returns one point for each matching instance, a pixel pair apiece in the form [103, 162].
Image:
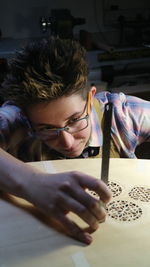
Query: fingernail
[85, 238]
[88, 238]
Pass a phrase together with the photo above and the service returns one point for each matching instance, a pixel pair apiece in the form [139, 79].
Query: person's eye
[44, 128]
[73, 120]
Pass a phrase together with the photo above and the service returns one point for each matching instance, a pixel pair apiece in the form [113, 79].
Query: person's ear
[92, 93]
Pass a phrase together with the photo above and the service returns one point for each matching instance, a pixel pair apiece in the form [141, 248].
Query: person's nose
[66, 139]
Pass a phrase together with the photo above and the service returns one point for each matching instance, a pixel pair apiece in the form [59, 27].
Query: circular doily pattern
[125, 211]
[140, 193]
[115, 188]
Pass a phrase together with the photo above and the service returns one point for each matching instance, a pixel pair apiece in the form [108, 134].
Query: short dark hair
[44, 70]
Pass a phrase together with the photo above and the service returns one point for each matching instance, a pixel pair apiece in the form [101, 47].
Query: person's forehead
[62, 108]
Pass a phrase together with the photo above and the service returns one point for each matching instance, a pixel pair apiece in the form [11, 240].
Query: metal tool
[106, 142]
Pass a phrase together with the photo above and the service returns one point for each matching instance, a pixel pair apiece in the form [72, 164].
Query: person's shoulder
[9, 106]
[12, 114]
[102, 96]
[107, 96]
[9, 110]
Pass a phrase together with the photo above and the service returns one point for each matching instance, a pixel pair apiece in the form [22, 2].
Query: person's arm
[56, 194]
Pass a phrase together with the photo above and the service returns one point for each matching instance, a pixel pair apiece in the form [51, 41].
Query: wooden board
[27, 238]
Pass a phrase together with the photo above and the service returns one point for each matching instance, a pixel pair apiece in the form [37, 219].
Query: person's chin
[73, 153]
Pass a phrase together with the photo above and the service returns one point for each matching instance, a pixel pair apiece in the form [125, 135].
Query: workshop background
[115, 33]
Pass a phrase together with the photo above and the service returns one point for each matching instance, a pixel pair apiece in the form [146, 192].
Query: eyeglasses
[74, 126]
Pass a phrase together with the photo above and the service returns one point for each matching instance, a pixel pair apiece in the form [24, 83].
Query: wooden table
[27, 238]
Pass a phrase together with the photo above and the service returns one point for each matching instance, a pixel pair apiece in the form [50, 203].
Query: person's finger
[67, 203]
[74, 230]
[93, 205]
[96, 185]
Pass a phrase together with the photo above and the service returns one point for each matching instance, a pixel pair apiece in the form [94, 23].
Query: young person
[51, 112]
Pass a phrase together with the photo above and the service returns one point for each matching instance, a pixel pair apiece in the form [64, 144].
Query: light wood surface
[27, 238]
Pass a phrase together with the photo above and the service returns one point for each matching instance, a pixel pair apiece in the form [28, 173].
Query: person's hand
[58, 194]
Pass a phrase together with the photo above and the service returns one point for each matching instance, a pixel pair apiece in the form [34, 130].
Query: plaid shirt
[130, 123]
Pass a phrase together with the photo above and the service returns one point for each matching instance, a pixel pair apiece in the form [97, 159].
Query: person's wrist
[27, 183]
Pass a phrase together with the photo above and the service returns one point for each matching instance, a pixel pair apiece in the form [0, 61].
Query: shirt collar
[96, 132]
